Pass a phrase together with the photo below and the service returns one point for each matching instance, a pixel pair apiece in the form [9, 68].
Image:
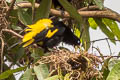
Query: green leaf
[37, 53]
[43, 10]
[41, 71]
[92, 23]
[28, 75]
[105, 30]
[112, 62]
[8, 73]
[86, 36]
[105, 73]
[55, 77]
[15, 27]
[99, 3]
[33, 8]
[24, 17]
[14, 18]
[115, 72]
[105, 68]
[71, 10]
[19, 54]
[113, 27]
[11, 77]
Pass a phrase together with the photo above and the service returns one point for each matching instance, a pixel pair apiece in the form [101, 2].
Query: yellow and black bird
[47, 34]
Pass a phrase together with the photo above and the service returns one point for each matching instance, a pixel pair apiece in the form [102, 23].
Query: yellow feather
[28, 43]
[28, 36]
[50, 34]
[36, 28]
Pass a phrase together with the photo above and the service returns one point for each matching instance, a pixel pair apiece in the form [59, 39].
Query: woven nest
[79, 65]
[3, 11]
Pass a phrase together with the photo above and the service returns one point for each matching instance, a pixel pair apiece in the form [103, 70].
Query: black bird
[49, 33]
[64, 34]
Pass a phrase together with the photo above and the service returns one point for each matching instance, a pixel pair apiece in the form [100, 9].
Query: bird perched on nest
[47, 34]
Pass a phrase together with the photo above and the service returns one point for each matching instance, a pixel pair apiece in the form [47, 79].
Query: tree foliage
[80, 15]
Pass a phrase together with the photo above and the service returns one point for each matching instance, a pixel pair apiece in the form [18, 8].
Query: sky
[113, 4]
[97, 34]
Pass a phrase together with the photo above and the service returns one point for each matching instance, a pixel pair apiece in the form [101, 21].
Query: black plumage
[64, 34]
[70, 38]
[52, 41]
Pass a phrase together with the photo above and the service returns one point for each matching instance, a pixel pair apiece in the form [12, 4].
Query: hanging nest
[79, 65]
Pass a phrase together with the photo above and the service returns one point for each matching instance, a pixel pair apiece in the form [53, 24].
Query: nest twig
[3, 10]
[80, 65]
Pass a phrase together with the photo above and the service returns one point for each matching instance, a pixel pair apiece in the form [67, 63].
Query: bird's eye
[78, 41]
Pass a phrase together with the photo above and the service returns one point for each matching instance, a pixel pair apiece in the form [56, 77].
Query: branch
[85, 12]
[110, 56]
[1, 56]
[10, 8]
[99, 14]
[14, 33]
[103, 39]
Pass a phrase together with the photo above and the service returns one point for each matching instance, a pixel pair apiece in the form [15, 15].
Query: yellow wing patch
[50, 34]
[28, 43]
[36, 28]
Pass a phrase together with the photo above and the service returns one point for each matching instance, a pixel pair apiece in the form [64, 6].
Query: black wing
[52, 41]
